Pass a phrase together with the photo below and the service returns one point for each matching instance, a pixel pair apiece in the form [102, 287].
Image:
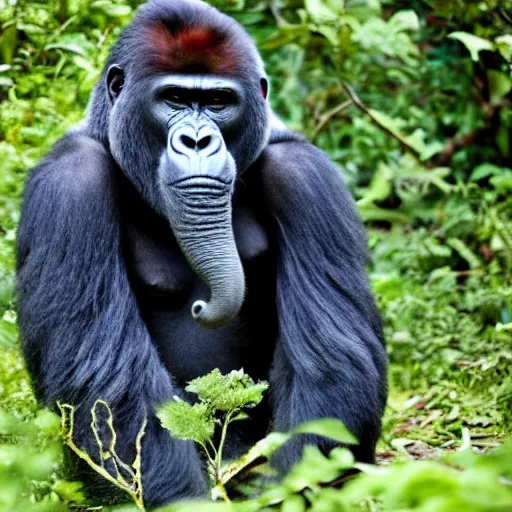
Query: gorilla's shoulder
[283, 134]
[76, 161]
[77, 144]
[293, 159]
[294, 172]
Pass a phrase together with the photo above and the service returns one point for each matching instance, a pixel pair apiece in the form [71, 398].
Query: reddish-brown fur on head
[191, 49]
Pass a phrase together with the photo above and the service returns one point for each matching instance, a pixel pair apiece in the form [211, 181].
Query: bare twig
[219, 491]
[133, 488]
[280, 20]
[362, 107]
[327, 116]
[458, 142]
[483, 444]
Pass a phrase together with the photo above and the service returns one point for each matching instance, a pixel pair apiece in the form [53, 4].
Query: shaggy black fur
[105, 293]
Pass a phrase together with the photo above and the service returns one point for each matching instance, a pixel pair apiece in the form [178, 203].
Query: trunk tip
[198, 308]
[208, 317]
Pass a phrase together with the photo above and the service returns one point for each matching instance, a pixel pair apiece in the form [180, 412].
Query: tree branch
[362, 107]
[327, 116]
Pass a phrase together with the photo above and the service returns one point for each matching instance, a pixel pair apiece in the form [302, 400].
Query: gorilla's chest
[166, 288]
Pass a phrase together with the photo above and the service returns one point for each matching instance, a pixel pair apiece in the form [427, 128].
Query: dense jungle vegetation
[413, 101]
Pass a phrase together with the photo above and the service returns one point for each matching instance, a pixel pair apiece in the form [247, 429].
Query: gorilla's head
[182, 108]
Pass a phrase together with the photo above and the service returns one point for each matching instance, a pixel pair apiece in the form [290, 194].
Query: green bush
[412, 100]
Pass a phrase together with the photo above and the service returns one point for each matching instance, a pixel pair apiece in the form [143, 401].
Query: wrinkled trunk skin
[200, 217]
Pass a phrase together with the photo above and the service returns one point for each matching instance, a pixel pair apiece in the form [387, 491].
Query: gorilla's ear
[114, 82]
[264, 87]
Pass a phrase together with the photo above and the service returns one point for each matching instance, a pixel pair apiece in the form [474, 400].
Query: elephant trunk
[200, 217]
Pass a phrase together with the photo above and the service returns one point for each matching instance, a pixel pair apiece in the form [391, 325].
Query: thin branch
[502, 13]
[212, 446]
[211, 460]
[327, 116]
[219, 491]
[459, 142]
[222, 440]
[362, 107]
[135, 488]
[280, 20]
[111, 452]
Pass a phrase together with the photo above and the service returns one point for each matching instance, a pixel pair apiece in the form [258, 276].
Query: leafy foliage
[413, 101]
[228, 392]
[186, 421]
[221, 399]
[463, 481]
[29, 454]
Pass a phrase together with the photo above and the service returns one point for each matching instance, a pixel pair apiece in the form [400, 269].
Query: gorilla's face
[197, 131]
[196, 112]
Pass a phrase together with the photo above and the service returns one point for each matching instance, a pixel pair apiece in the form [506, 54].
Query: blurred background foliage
[413, 101]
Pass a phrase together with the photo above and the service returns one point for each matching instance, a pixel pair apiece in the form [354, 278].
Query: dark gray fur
[104, 293]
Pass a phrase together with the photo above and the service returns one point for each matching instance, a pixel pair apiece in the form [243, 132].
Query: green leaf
[473, 43]
[363, 10]
[69, 491]
[240, 416]
[380, 187]
[504, 45]
[324, 10]
[186, 421]
[12, 426]
[465, 252]
[330, 33]
[295, 503]
[228, 5]
[8, 333]
[312, 469]
[502, 184]
[343, 457]
[394, 125]
[500, 84]
[73, 43]
[265, 447]
[371, 213]
[110, 9]
[327, 427]
[485, 170]
[47, 422]
[404, 20]
[228, 392]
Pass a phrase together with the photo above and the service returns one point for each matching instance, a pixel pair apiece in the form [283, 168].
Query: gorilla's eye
[219, 99]
[216, 104]
[174, 96]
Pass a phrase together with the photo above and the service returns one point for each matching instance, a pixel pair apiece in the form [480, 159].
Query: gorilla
[180, 228]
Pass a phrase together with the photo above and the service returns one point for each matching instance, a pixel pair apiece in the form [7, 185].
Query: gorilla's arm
[330, 357]
[82, 333]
